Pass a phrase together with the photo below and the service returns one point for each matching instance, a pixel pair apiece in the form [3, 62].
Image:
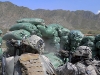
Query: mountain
[79, 19]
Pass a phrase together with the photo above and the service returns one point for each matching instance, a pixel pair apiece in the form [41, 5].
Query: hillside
[80, 19]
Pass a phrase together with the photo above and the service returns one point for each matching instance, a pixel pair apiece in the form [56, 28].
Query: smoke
[49, 47]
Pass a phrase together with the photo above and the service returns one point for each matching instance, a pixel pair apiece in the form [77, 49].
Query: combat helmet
[83, 51]
[35, 42]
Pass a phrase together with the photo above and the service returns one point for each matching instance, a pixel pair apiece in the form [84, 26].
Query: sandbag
[51, 32]
[55, 33]
[55, 26]
[17, 35]
[48, 32]
[56, 61]
[74, 44]
[63, 32]
[35, 21]
[97, 37]
[39, 33]
[27, 26]
[42, 29]
[90, 44]
[75, 35]
[87, 39]
[64, 39]
[98, 44]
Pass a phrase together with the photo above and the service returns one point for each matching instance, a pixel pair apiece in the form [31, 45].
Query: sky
[72, 5]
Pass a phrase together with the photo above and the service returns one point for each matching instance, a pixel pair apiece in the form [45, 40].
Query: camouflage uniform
[31, 62]
[83, 65]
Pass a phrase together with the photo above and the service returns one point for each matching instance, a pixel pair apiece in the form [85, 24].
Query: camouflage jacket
[78, 69]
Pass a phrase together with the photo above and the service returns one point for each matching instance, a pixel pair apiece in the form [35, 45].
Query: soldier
[28, 59]
[81, 63]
